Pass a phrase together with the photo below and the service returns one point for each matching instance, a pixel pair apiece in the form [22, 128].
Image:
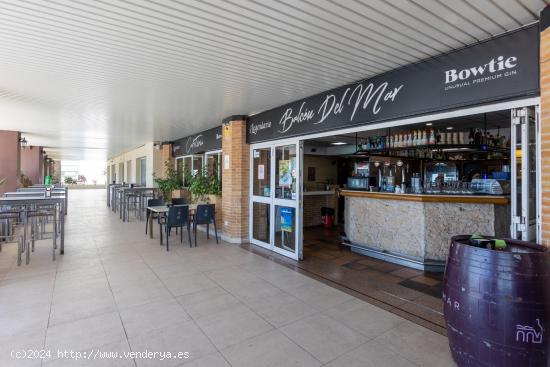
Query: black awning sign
[501, 68]
[199, 143]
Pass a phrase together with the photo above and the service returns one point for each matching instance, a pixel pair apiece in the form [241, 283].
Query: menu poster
[287, 219]
[261, 172]
[285, 173]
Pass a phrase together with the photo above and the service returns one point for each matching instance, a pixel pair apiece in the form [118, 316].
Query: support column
[545, 122]
[10, 160]
[235, 180]
[31, 163]
[166, 155]
[56, 171]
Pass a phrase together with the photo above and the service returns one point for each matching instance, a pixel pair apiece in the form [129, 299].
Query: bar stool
[145, 196]
[10, 218]
[131, 202]
[37, 215]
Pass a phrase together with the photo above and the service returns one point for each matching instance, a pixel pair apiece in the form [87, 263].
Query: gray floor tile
[418, 344]
[178, 338]
[371, 354]
[13, 348]
[150, 316]
[319, 295]
[280, 308]
[369, 320]
[187, 283]
[207, 302]
[323, 337]
[232, 326]
[85, 333]
[272, 349]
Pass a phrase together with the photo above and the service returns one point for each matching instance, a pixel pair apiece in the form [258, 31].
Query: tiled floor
[410, 293]
[115, 290]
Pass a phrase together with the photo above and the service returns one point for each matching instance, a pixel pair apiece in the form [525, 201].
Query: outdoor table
[55, 191]
[28, 202]
[162, 210]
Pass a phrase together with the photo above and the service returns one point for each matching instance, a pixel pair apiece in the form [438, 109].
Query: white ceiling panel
[91, 79]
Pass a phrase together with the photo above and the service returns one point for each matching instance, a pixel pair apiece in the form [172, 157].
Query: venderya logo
[193, 143]
[494, 69]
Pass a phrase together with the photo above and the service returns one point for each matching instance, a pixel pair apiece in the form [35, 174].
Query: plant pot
[182, 193]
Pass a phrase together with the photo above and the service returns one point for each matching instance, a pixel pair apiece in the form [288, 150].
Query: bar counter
[414, 229]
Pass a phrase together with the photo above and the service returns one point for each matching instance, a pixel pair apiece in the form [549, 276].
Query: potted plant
[169, 183]
[204, 187]
[182, 191]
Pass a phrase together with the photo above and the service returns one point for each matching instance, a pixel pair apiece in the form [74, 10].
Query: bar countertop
[474, 199]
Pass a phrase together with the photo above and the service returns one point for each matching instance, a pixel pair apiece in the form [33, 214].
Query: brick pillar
[10, 160]
[235, 180]
[545, 122]
[166, 155]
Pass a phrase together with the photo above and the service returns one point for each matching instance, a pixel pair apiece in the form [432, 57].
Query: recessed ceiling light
[429, 123]
[450, 128]
[338, 143]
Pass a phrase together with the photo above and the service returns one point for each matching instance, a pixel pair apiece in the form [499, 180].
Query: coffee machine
[363, 177]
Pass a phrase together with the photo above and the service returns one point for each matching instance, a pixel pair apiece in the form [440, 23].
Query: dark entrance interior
[329, 161]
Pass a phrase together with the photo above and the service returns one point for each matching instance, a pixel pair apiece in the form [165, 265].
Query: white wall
[154, 163]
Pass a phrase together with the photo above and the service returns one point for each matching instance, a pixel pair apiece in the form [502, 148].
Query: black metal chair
[177, 217]
[205, 214]
[152, 202]
[179, 201]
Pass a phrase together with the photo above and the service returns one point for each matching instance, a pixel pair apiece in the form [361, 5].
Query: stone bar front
[415, 230]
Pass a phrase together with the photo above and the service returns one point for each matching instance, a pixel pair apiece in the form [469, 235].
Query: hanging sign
[199, 143]
[501, 68]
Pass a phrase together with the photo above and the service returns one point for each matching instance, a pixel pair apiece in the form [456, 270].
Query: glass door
[260, 206]
[275, 213]
[285, 201]
[524, 190]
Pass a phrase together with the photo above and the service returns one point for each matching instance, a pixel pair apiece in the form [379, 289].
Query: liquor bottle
[432, 139]
[477, 137]
[471, 137]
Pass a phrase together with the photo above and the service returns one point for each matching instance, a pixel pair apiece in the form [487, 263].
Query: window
[184, 166]
[213, 164]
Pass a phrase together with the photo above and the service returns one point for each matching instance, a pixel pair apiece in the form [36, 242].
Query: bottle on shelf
[432, 139]
[477, 137]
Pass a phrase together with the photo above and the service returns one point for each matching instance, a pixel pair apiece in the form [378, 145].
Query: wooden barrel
[497, 304]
